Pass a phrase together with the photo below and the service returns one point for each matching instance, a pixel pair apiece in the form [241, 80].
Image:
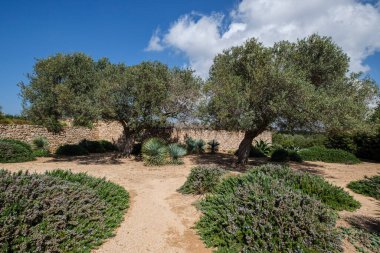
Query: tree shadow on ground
[103, 158]
[308, 167]
[369, 224]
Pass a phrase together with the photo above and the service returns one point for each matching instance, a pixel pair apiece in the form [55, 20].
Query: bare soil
[160, 219]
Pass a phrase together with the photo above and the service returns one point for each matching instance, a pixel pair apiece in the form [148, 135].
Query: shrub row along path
[160, 219]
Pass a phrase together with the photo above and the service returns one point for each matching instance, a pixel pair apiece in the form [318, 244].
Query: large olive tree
[146, 96]
[293, 85]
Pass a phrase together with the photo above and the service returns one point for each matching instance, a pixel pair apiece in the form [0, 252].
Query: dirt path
[160, 219]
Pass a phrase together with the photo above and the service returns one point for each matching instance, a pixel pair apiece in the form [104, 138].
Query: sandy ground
[160, 219]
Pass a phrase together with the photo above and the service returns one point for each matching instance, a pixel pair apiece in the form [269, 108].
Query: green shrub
[71, 150]
[12, 151]
[136, 149]
[92, 146]
[343, 141]
[214, 146]
[195, 146]
[262, 147]
[202, 180]
[18, 142]
[368, 145]
[289, 141]
[58, 211]
[280, 155]
[41, 143]
[328, 155]
[369, 186]
[41, 153]
[283, 155]
[315, 186]
[176, 152]
[108, 146]
[363, 240]
[257, 213]
[154, 151]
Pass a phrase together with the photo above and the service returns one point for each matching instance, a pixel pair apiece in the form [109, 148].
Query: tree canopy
[295, 85]
[140, 97]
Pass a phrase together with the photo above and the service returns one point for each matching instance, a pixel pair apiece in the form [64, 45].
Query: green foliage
[202, 180]
[154, 151]
[41, 143]
[71, 150]
[263, 147]
[341, 140]
[108, 146]
[312, 185]
[195, 146]
[13, 151]
[41, 153]
[291, 141]
[328, 155]
[176, 152]
[301, 85]
[214, 146]
[92, 146]
[146, 96]
[61, 86]
[362, 240]
[368, 145]
[369, 186]
[257, 213]
[81, 209]
[14, 120]
[283, 155]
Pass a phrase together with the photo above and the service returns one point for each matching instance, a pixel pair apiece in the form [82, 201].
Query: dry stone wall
[113, 131]
[27, 133]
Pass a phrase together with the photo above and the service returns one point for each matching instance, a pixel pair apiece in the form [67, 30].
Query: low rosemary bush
[315, 186]
[328, 155]
[369, 186]
[258, 213]
[202, 180]
[58, 211]
[13, 151]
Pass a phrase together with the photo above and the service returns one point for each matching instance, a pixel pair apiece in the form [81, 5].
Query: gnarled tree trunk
[245, 145]
[129, 140]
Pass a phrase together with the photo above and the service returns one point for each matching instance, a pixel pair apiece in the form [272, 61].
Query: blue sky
[124, 30]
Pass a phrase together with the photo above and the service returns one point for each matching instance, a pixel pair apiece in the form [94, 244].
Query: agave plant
[191, 144]
[176, 152]
[200, 146]
[263, 147]
[214, 144]
[154, 151]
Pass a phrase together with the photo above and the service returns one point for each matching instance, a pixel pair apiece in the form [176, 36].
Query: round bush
[108, 146]
[202, 180]
[315, 186]
[41, 143]
[328, 155]
[18, 142]
[280, 155]
[14, 151]
[71, 150]
[260, 214]
[92, 146]
[46, 213]
[154, 151]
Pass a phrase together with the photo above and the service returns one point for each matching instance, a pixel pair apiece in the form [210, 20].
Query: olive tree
[61, 87]
[146, 96]
[295, 85]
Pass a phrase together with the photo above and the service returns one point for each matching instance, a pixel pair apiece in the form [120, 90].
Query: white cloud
[155, 42]
[353, 25]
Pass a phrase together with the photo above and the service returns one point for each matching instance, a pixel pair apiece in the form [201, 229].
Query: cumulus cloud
[155, 42]
[354, 25]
